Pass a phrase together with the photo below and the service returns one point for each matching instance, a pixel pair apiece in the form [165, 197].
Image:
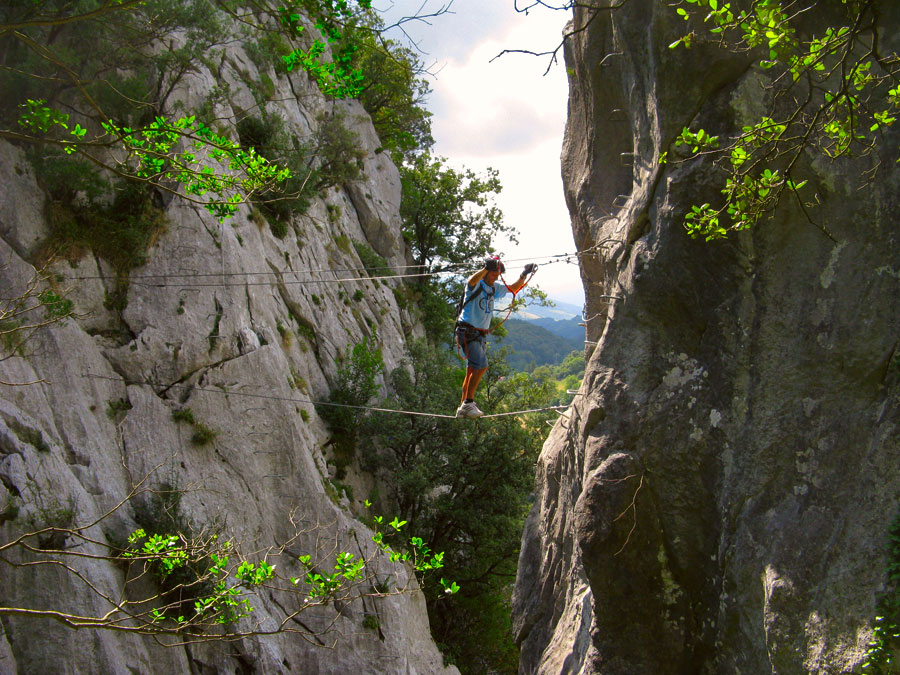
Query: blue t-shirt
[478, 313]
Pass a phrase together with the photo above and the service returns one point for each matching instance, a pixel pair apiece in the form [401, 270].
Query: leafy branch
[152, 154]
[831, 94]
[202, 584]
[88, 106]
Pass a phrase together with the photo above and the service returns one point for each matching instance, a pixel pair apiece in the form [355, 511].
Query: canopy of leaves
[448, 215]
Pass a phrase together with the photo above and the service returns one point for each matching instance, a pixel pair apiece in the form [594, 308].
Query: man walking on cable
[474, 322]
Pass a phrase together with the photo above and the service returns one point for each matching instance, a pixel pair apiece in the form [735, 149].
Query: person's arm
[517, 285]
[473, 280]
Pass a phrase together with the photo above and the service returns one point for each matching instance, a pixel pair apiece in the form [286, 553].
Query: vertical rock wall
[719, 497]
[228, 320]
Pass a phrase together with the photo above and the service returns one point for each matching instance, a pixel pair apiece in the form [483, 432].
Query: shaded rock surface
[240, 327]
[717, 499]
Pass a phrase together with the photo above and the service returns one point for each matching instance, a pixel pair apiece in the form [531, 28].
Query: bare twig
[593, 10]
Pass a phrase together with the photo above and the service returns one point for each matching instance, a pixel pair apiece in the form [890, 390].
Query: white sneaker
[468, 411]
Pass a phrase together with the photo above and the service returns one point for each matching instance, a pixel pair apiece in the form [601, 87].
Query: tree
[466, 488]
[448, 215]
[394, 91]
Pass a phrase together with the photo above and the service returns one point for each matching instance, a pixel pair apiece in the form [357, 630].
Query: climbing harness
[466, 334]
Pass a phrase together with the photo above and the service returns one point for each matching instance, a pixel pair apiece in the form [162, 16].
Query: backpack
[463, 301]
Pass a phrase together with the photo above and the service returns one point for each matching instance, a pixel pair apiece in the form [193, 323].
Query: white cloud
[487, 105]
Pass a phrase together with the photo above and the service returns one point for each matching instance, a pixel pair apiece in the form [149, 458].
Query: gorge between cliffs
[716, 498]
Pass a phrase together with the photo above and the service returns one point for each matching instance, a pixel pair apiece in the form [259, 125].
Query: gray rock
[7, 658]
[22, 222]
[376, 198]
[247, 331]
[725, 483]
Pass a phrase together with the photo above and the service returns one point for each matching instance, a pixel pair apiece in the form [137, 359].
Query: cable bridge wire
[162, 280]
[289, 399]
[137, 280]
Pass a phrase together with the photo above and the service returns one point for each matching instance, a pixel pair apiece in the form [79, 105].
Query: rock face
[718, 498]
[240, 327]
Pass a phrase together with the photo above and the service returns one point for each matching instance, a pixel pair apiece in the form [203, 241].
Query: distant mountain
[561, 311]
[562, 319]
[533, 345]
[570, 329]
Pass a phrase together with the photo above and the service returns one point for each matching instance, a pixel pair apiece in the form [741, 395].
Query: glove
[530, 268]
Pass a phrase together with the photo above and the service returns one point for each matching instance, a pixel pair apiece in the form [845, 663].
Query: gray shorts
[471, 343]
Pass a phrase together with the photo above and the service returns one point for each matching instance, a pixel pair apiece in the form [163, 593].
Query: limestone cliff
[239, 326]
[719, 496]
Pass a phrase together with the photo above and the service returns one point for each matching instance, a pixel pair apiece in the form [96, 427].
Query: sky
[502, 113]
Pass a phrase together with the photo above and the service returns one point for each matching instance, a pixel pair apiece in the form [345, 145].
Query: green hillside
[532, 345]
[571, 329]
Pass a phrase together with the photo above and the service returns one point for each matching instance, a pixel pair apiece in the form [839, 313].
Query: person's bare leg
[465, 386]
[472, 382]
